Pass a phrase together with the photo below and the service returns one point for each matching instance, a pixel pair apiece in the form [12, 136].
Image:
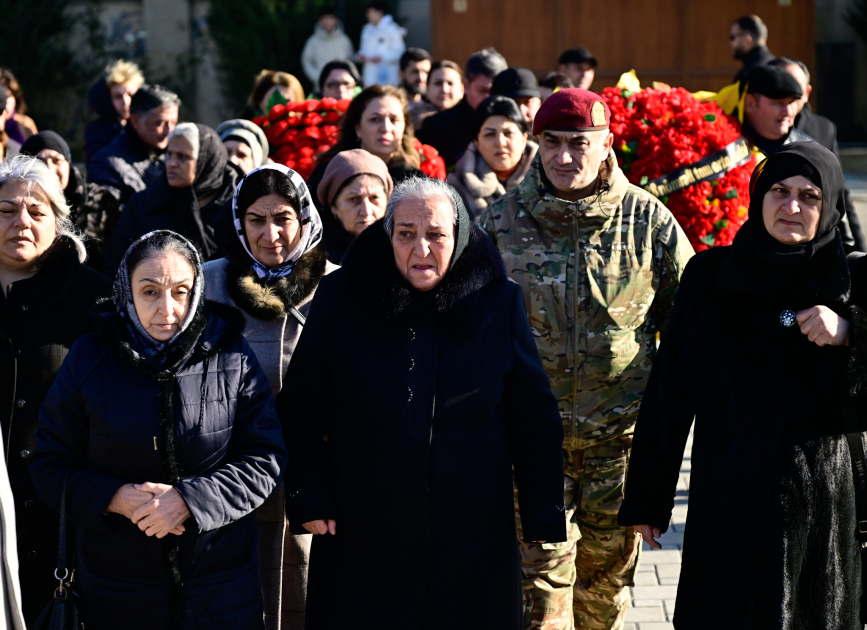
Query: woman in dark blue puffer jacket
[165, 426]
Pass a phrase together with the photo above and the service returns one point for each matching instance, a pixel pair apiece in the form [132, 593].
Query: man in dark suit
[748, 37]
[821, 130]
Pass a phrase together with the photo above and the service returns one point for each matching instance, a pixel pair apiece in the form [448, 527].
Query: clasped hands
[157, 508]
[823, 326]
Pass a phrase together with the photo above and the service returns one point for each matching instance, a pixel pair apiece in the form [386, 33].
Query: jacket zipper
[575, 362]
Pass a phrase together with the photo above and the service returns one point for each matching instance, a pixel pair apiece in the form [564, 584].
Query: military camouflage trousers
[584, 582]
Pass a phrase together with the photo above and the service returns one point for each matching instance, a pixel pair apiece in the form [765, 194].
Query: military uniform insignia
[597, 114]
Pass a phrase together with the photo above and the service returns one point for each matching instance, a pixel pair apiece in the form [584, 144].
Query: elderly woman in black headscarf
[764, 349]
[198, 180]
[92, 208]
[414, 391]
[275, 260]
[161, 426]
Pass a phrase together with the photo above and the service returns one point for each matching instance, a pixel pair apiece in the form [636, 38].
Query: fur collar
[465, 301]
[271, 302]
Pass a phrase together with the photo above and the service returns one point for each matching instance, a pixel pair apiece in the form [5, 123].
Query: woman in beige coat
[265, 284]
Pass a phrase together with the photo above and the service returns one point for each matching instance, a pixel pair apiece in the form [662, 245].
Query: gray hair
[486, 62]
[191, 133]
[420, 189]
[34, 172]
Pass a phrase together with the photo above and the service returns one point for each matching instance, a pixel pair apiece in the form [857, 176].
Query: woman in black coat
[164, 425]
[413, 392]
[198, 180]
[756, 351]
[46, 300]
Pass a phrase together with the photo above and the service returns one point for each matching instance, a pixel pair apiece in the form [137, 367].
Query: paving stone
[654, 592]
[646, 578]
[661, 556]
[669, 608]
[630, 626]
[646, 567]
[642, 615]
[655, 626]
[668, 570]
[669, 581]
[647, 603]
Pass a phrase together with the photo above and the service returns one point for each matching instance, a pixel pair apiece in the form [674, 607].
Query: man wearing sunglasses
[748, 37]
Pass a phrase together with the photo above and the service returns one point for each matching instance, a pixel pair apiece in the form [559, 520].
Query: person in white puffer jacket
[381, 46]
[328, 43]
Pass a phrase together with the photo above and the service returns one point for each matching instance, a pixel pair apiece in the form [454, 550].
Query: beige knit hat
[346, 165]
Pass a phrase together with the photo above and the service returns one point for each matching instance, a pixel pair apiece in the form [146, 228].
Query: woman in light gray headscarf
[275, 260]
[245, 143]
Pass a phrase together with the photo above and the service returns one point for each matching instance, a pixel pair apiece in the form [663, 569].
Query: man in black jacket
[823, 131]
[449, 131]
[134, 159]
[747, 38]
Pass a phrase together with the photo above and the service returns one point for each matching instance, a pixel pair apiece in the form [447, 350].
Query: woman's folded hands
[158, 509]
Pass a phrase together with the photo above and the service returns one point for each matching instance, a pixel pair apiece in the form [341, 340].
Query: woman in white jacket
[381, 46]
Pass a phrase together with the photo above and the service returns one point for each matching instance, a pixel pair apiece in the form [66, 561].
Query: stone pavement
[653, 595]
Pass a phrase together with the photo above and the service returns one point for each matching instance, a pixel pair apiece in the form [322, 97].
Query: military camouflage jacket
[599, 277]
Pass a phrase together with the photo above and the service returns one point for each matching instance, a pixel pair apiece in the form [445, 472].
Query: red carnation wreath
[300, 132]
[665, 138]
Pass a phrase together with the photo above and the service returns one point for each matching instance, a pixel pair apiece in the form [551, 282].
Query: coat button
[21, 403]
[32, 555]
[28, 503]
[24, 454]
[23, 307]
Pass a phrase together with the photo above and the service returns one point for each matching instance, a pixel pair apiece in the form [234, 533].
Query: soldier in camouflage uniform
[599, 261]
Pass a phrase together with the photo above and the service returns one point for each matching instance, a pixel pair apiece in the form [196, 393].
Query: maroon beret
[572, 109]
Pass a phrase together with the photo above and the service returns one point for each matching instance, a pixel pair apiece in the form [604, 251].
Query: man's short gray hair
[487, 62]
[34, 173]
[191, 133]
[420, 189]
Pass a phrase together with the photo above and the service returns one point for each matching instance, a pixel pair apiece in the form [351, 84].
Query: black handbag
[63, 611]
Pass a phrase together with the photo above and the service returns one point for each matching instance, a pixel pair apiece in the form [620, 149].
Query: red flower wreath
[658, 131]
[300, 132]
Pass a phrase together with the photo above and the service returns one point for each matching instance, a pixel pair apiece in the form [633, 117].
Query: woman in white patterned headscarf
[275, 260]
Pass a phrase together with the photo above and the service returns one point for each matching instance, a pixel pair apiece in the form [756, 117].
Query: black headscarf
[46, 140]
[761, 262]
[210, 164]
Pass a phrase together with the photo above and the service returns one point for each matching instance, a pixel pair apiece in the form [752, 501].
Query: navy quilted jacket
[101, 423]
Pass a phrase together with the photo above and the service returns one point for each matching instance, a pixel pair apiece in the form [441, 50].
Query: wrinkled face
[529, 105]
[360, 204]
[791, 210]
[801, 78]
[581, 74]
[272, 229]
[423, 241]
[57, 164]
[771, 117]
[445, 88]
[478, 89]
[382, 126]
[740, 43]
[328, 22]
[155, 126]
[161, 288]
[180, 163]
[501, 143]
[339, 84]
[413, 78]
[27, 225]
[240, 154]
[571, 159]
[121, 97]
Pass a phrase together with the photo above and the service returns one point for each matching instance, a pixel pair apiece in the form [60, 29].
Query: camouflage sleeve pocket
[602, 484]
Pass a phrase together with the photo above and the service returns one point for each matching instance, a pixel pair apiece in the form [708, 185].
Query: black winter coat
[767, 405]
[449, 132]
[161, 207]
[100, 424]
[98, 133]
[758, 56]
[824, 132]
[95, 211]
[405, 413]
[40, 319]
[126, 165]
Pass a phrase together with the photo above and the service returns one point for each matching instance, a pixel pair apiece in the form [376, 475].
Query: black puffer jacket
[40, 319]
[100, 423]
[95, 211]
[104, 129]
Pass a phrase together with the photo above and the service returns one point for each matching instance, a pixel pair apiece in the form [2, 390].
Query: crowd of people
[238, 383]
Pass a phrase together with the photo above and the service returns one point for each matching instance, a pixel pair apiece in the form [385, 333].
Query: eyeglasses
[333, 85]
